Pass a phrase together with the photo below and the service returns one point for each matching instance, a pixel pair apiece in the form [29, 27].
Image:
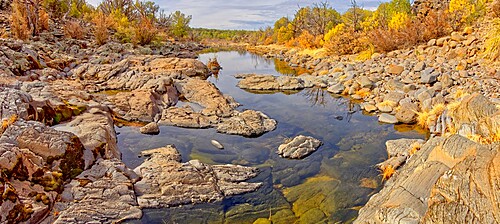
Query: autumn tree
[180, 24]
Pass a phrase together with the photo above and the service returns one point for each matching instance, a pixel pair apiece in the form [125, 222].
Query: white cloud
[244, 14]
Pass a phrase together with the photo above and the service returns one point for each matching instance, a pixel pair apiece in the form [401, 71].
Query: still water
[329, 186]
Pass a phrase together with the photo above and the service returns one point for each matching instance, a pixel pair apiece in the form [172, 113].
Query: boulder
[14, 103]
[137, 105]
[151, 129]
[166, 182]
[186, 117]
[428, 76]
[95, 129]
[298, 147]
[407, 113]
[248, 123]
[205, 94]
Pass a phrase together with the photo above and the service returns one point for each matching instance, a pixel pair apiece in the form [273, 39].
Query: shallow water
[328, 186]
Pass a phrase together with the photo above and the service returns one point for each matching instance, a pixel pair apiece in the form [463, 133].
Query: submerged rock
[217, 144]
[248, 123]
[167, 182]
[299, 147]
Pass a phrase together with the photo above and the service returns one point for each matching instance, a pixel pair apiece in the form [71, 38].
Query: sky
[245, 14]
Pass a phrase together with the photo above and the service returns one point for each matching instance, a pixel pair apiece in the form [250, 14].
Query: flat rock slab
[387, 118]
[248, 123]
[167, 182]
[102, 194]
[299, 147]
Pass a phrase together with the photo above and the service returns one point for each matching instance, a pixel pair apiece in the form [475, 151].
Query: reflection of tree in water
[316, 96]
[257, 59]
[283, 68]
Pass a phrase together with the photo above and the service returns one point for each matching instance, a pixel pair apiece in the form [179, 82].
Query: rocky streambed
[72, 150]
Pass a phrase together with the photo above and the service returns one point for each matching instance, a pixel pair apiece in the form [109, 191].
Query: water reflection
[327, 186]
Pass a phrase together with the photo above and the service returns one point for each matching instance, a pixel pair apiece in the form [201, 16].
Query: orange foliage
[345, 43]
[102, 23]
[43, 20]
[495, 8]
[19, 27]
[306, 40]
[74, 30]
[145, 31]
[387, 172]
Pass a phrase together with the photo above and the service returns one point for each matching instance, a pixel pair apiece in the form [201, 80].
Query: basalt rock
[166, 182]
[35, 161]
[299, 147]
[101, 194]
[248, 123]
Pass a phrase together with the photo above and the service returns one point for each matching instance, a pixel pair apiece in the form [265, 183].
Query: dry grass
[364, 92]
[414, 148]
[427, 118]
[495, 8]
[388, 172]
[74, 30]
[460, 93]
[19, 26]
[4, 33]
[102, 23]
[43, 20]
[7, 122]
[492, 43]
[145, 31]
[389, 103]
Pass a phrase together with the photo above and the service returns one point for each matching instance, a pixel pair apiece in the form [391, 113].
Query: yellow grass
[414, 148]
[364, 92]
[422, 118]
[389, 103]
[460, 93]
[387, 172]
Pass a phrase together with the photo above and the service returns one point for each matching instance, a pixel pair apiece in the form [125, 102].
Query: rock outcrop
[299, 147]
[35, 161]
[101, 194]
[165, 181]
[450, 179]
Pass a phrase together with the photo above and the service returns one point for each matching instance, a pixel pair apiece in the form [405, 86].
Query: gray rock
[248, 123]
[428, 76]
[299, 147]
[217, 144]
[166, 182]
[407, 113]
[365, 82]
[387, 118]
[151, 129]
[336, 89]
[102, 193]
[420, 66]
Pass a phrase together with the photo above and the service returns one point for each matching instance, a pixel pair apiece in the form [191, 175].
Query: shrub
[145, 31]
[19, 27]
[102, 23]
[391, 39]
[74, 30]
[495, 8]
[43, 20]
[464, 12]
[122, 25]
[306, 40]
[492, 43]
[435, 25]
[345, 42]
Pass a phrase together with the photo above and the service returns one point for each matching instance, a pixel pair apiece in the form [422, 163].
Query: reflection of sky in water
[353, 144]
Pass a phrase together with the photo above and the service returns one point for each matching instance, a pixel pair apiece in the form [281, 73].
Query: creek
[330, 185]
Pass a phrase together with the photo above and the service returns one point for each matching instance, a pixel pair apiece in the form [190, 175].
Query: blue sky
[245, 14]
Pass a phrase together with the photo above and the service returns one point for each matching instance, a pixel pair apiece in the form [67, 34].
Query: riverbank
[445, 87]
